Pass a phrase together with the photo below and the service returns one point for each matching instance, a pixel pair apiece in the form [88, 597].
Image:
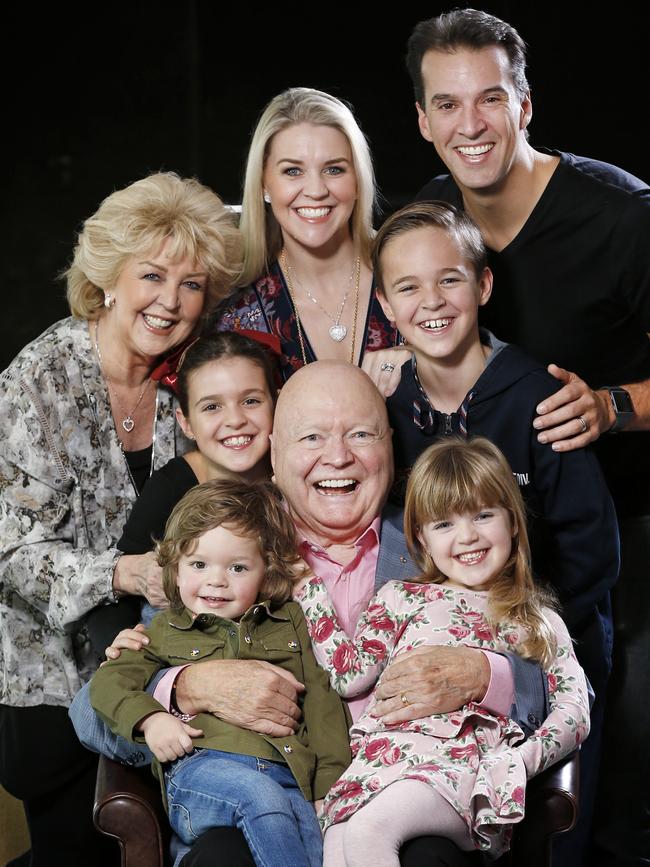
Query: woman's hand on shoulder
[384, 367]
[127, 639]
[140, 575]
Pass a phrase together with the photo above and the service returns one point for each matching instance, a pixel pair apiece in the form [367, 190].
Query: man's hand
[384, 367]
[128, 639]
[168, 738]
[248, 693]
[574, 416]
[140, 575]
[431, 680]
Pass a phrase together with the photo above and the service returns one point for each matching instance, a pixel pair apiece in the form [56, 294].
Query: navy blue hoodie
[572, 523]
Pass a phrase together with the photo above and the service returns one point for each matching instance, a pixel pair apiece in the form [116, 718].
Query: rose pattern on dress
[478, 761]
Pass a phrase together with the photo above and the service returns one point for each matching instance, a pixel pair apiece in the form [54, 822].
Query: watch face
[621, 400]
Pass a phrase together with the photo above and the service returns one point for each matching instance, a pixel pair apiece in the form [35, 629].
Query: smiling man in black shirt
[568, 243]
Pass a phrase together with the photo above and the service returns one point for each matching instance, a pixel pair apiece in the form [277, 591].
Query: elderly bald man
[332, 458]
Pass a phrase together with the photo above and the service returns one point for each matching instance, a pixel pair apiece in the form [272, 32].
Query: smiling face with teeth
[158, 302]
[331, 451]
[471, 548]
[432, 293]
[310, 178]
[230, 415]
[474, 116]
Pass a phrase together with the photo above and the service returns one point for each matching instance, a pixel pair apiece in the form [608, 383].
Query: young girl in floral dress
[461, 775]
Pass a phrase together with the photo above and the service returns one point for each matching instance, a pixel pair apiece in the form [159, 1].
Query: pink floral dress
[476, 760]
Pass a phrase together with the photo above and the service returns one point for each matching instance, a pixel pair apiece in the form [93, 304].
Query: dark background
[98, 95]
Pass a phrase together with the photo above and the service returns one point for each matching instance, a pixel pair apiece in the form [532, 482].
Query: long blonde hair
[260, 229]
[455, 476]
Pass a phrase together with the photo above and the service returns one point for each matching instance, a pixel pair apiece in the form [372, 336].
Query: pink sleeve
[163, 691]
[501, 690]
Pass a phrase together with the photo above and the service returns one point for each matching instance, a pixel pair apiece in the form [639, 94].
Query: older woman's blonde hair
[455, 476]
[262, 236]
[138, 219]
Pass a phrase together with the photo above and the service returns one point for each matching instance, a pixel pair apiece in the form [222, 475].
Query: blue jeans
[210, 788]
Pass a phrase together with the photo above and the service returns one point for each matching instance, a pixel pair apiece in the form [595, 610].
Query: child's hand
[168, 738]
[318, 804]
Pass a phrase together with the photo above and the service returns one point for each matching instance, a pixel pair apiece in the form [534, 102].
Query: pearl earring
[267, 198]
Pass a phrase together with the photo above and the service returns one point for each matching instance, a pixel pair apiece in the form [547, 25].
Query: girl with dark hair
[226, 386]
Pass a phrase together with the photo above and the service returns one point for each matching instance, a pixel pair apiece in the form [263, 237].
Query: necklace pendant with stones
[128, 424]
[338, 332]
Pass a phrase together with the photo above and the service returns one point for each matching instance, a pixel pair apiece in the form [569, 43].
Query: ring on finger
[388, 365]
[404, 700]
[585, 426]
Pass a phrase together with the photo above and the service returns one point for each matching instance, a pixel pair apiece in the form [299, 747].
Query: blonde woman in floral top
[459, 775]
[84, 425]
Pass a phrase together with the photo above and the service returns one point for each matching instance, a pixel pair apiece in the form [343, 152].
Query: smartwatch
[623, 407]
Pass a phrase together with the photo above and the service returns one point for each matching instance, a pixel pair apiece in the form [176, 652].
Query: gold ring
[404, 699]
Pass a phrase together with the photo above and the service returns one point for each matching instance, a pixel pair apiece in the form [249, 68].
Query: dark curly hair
[250, 509]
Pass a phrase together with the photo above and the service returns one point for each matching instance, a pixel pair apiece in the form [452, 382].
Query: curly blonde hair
[138, 219]
[250, 509]
[455, 476]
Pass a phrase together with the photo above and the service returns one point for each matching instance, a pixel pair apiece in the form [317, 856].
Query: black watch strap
[623, 406]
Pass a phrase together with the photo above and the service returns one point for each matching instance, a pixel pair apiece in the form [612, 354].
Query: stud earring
[267, 198]
[109, 301]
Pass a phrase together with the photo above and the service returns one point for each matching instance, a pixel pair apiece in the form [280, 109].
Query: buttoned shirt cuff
[501, 690]
[164, 689]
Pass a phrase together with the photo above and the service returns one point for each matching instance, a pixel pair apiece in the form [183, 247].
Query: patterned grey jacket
[65, 494]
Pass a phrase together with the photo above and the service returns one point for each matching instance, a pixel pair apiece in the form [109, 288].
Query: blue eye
[195, 287]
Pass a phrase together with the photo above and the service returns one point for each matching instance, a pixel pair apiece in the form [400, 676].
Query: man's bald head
[331, 450]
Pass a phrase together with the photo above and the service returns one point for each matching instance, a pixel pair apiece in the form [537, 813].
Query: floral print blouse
[266, 306]
[65, 494]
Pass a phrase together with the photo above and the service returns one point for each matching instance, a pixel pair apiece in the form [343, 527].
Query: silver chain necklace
[128, 422]
[337, 331]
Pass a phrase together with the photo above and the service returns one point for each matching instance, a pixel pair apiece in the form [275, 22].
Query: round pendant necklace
[127, 422]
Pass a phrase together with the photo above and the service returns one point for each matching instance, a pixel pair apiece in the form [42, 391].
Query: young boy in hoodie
[431, 269]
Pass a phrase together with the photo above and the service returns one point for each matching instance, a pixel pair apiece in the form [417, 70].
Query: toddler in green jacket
[230, 563]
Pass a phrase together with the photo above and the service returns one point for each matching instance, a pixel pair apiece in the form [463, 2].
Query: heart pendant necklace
[337, 331]
[127, 422]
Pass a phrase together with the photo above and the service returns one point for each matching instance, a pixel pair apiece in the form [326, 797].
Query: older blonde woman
[83, 426]
[307, 227]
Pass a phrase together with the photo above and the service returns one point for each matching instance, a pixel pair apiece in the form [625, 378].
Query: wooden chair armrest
[129, 808]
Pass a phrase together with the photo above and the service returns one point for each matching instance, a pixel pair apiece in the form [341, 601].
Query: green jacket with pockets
[319, 750]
